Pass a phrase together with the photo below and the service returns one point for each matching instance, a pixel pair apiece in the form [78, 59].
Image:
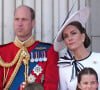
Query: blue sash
[19, 78]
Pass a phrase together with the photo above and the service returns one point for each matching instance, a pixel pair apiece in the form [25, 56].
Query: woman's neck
[81, 53]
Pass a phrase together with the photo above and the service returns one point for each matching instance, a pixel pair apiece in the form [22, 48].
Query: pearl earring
[82, 40]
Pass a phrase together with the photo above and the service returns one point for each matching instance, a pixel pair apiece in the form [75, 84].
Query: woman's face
[73, 38]
[88, 82]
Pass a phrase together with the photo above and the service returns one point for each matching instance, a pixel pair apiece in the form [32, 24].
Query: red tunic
[50, 69]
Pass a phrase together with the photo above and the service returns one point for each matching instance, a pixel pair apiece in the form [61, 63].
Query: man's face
[23, 23]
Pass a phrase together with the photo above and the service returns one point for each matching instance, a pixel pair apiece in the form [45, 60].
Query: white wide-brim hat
[80, 16]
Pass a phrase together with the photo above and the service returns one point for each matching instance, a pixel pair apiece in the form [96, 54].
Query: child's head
[33, 86]
[87, 79]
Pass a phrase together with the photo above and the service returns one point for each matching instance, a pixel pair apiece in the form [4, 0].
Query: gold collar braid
[26, 43]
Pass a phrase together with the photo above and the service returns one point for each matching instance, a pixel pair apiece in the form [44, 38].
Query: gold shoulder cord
[22, 55]
[3, 64]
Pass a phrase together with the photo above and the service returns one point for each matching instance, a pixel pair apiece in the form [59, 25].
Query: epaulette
[43, 46]
[46, 43]
[3, 45]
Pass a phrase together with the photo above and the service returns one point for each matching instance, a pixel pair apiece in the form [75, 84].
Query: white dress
[65, 71]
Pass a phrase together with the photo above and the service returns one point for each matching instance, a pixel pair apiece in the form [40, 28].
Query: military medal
[44, 58]
[40, 59]
[36, 57]
[31, 78]
[37, 70]
[32, 57]
[40, 56]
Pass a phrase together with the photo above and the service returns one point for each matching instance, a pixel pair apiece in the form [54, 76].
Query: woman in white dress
[73, 36]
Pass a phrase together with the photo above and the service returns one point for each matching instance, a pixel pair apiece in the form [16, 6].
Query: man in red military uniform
[26, 60]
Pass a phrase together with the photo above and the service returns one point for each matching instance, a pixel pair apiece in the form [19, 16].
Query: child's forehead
[87, 77]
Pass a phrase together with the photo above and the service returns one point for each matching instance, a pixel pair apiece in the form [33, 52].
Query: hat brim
[80, 16]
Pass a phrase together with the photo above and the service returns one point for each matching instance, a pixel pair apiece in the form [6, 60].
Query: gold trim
[13, 74]
[21, 57]
[5, 76]
[26, 44]
[18, 44]
[3, 64]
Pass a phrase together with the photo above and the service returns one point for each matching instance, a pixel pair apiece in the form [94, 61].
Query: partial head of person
[87, 79]
[34, 86]
[73, 32]
[24, 21]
